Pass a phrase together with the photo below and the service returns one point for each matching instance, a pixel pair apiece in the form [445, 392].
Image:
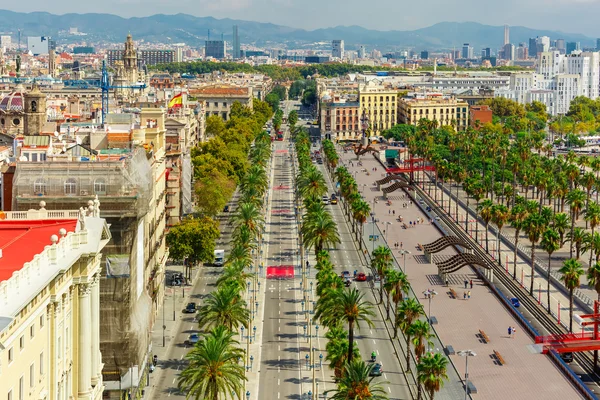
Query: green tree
[214, 125]
[571, 272]
[485, 211]
[224, 307]
[273, 100]
[576, 200]
[319, 230]
[431, 373]
[194, 239]
[337, 349]
[534, 226]
[213, 191]
[396, 285]
[381, 262]
[357, 384]
[550, 243]
[518, 214]
[420, 331]
[348, 306]
[407, 313]
[213, 370]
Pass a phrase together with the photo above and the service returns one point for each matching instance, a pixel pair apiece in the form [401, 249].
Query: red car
[361, 277]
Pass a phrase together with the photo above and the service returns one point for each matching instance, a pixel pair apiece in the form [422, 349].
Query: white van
[219, 257]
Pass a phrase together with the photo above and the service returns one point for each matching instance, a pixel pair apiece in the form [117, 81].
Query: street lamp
[373, 235]
[430, 294]
[466, 354]
[404, 253]
[387, 223]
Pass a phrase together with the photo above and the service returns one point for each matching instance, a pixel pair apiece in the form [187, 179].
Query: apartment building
[218, 99]
[50, 303]
[444, 110]
[379, 105]
[340, 117]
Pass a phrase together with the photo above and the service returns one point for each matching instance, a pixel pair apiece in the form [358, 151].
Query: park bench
[472, 388]
[499, 358]
[484, 336]
[450, 350]
[453, 293]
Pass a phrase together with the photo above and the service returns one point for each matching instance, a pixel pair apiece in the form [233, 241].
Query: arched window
[39, 186]
[100, 186]
[71, 186]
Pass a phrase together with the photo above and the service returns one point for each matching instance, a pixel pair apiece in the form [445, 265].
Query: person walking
[469, 294]
[510, 331]
[514, 332]
[466, 283]
[471, 282]
[464, 295]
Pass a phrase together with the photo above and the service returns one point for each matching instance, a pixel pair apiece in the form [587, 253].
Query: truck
[219, 257]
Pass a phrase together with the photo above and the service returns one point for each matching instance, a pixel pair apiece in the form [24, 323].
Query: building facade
[379, 105]
[50, 304]
[236, 43]
[337, 49]
[144, 57]
[444, 110]
[215, 49]
[218, 99]
[341, 119]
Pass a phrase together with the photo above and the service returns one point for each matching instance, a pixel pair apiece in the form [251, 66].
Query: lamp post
[373, 235]
[404, 253]
[466, 354]
[387, 228]
[364, 124]
[430, 294]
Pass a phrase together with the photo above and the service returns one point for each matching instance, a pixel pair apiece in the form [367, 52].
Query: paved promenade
[525, 375]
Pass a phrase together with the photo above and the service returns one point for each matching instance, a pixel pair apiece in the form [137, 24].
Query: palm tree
[213, 370]
[431, 373]
[319, 230]
[381, 262]
[551, 243]
[571, 272]
[577, 238]
[500, 215]
[311, 183]
[357, 384]
[224, 307]
[234, 275]
[593, 277]
[361, 211]
[337, 349]
[592, 215]
[517, 219]
[575, 200]
[420, 331]
[408, 312]
[534, 226]
[485, 211]
[249, 215]
[396, 284]
[348, 306]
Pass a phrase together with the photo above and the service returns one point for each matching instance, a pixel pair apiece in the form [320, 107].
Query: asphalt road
[346, 258]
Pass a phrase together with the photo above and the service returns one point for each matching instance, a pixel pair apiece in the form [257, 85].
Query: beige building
[444, 110]
[340, 118]
[379, 105]
[218, 99]
[50, 304]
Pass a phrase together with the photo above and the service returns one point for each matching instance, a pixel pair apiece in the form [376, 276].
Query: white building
[337, 49]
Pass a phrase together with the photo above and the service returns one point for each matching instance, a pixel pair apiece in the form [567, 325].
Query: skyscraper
[560, 46]
[236, 43]
[424, 55]
[337, 49]
[509, 51]
[573, 46]
[506, 35]
[362, 52]
[467, 51]
[215, 49]
[598, 44]
[533, 47]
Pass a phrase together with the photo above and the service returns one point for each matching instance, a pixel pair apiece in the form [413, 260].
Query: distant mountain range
[183, 28]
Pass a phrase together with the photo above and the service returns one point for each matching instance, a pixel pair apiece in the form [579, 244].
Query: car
[192, 339]
[428, 209]
[377, 370]
[567, 357]
[515, 302]
[361, 277]
[226, 209]
[376, 278]
[325, 199]
[333, 200]
[348, 282]
[190, 308]
[346, 274]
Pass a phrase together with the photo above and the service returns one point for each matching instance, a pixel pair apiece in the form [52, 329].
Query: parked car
[192, 339]
[348, 282]
[377, 370]
[190, 308]
[515, 302]
[346, 274]
[567, 357]
[361, 277]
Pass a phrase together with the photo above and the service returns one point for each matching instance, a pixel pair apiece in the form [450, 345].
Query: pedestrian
[514, 332]
[393, 212]
[466, 283]
[410, 223]
[510, 331]
[401, 244]
[469, 294]
[447, 283]
[464, 295]
[471, 282]
[389, 212]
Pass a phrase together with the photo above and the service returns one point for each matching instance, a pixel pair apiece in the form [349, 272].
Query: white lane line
[278, 382]
[371, 330]
[389, 390]
[374, 341]
[385, 376]
[377, 352]
[181, 358]
[174, 379]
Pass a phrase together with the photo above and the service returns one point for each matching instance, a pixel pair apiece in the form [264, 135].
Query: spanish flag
[176, 101]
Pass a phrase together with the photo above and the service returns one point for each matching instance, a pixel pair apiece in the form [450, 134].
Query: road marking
[278, 394]
[377, 352]
[389, 390]
[385, 376]
[374, 341]
[181, 358]
[174, 379]
[278, 382]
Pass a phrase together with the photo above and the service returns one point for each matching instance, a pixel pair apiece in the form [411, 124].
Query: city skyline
[564, 15]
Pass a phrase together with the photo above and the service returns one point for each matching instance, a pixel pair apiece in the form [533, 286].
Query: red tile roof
[20, 241]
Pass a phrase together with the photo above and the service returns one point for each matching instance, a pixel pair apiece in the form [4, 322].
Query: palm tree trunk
[487, 229]
[548, 287]
[387, 310]
[467, 215]
[571, 310]
[350, 340]
[572, 229]
[532, 267]
[515, 253]
[408, 352]
[514, 186]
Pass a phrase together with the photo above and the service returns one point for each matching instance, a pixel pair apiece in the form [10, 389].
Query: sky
[572, 16]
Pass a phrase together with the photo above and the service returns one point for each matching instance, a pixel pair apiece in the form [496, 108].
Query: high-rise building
[509, 51]
[236, 43]
[362, 52]
[337, 49]
[467, 51]
[561, 46]
[487, 52]
[215, 49]
[533, 47]
[544, 42]
[573, 46]
[424, 55]
[521, 52]
[506, 35]
[597, 44]
[38, 45]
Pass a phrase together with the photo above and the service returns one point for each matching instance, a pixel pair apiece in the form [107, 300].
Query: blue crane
[105, 86]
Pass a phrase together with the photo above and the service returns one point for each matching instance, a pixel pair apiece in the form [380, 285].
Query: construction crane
[105, 86]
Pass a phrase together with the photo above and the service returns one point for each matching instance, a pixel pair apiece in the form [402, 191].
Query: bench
[484, 336]
[450, 350]
[471, 387]
[499, 358]
[453, 293]
[433, 321]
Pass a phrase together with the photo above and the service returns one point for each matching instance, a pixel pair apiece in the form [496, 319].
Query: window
[59, 347]
[100, 186]
[21, 343]
[10, 395]
[32, 331]
[39, 186]
[42, 363]
[16, 122]
[216, 104]
[21, 388]
[32, 375]
[224, 104]
[71, 186]
[42, 321]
